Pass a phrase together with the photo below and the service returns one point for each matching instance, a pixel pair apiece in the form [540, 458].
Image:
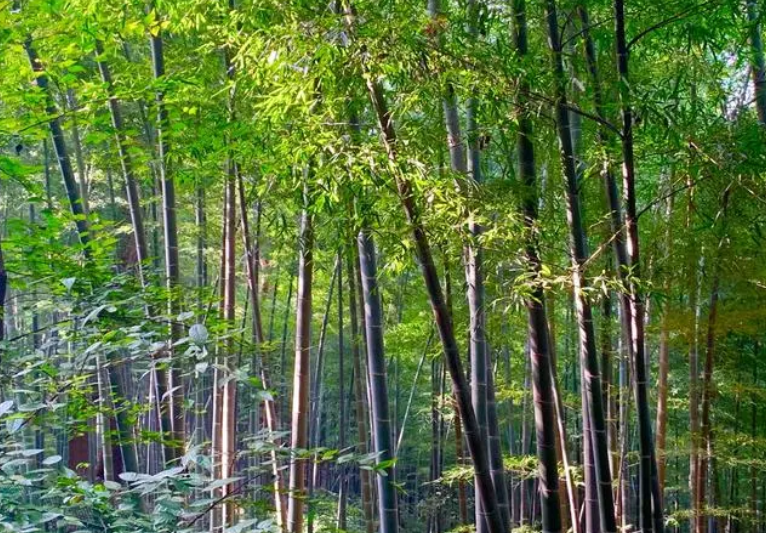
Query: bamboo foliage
[352, 147]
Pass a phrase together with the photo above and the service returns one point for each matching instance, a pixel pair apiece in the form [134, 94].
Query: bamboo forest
[398, 266]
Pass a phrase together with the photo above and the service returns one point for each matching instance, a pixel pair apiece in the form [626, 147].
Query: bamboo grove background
[382, 266]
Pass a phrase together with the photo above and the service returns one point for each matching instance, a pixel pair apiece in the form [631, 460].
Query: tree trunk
[753, 504]
[497, 469]
[664, 368]
[342, 415]
[707, 393]
[617, 236]
[317, 394]
[283, 352]
[3, 293]
[650, 502]
[170, 386]
[376, 366]
[228, 389]
[662, 398]
[593, 409]
[131, 187]
[569, 494]
[269, 407]
[71, 103]
[694, 424]
[359, 394]
[301, 375]
[435, 519]
[102, 420]
[476, 447]
[539, 348]
[731, 521]
[59, 145]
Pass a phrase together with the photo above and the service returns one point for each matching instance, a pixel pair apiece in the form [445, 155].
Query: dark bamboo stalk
[261, 367]
[460, 387]
[173, 419]
[376, 367]
[539, 348]
[360, 394]
[593, 408]
[651, 514]
[343, 414]
[59, 145]
[131, 187]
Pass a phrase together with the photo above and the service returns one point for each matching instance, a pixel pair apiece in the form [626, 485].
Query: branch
[678, 16]
[579, 111]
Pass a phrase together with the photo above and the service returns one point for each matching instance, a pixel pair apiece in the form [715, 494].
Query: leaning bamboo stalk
[438, 306]
[269, 407]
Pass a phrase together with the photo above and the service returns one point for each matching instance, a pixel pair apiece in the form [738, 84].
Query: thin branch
[675, 18]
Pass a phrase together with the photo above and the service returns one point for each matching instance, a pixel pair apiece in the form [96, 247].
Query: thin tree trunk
[170, 386]
[317, 394]
[731, 522]
[131, 187]
[317, 383]
[269, 407]
[662, 398]
[539, 347]
[59, 145]
[664, 368]
[591, 506]
[435, 521]
[651, 515]
[593, 409]
[283, 352]
[273, 306]
[200, 412]
[616, 226]
[607, 379]
[376, 367]
[102, 422]
[78, 155]
[400, 435]
[694, 424]
[343, 414]
[301, 375]
[359, 394]
[476, 447]
[497, 469]
[3, 292]
[624, 427]
[229, 389]
[561, 434]
[459, 447]
[707, 393]
[753, 504]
